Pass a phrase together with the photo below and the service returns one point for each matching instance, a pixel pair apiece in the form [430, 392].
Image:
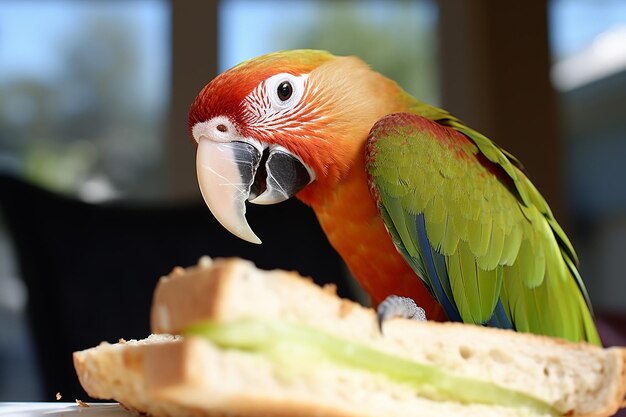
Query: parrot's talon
[396, 306]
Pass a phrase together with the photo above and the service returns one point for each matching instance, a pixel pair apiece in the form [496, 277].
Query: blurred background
[94, 95]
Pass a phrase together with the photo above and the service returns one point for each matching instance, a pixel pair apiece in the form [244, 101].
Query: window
[397, 38]
[83, 94]
[589, 74]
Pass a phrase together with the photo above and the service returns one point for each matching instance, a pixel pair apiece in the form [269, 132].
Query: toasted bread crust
[175, 306]
[616, 399]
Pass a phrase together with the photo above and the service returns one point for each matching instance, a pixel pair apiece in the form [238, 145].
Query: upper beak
[232, 169]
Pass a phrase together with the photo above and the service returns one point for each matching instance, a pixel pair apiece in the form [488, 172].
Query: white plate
[62, 410]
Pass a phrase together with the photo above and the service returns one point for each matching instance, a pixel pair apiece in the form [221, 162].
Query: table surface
[62, 409]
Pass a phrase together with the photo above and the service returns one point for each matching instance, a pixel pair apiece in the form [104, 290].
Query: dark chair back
[90, 269]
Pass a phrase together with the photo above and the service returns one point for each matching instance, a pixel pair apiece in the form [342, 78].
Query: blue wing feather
[499, 317]
[436, 270]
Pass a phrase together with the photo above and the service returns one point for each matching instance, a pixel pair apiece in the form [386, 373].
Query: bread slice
[163, 376]
[167, 376]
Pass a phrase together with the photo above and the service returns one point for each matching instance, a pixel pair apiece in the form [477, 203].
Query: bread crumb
[330, 289]
[178, 271]
[82, 404]
[345, 307]
[58, 396]
[205, 261]
[121, 341]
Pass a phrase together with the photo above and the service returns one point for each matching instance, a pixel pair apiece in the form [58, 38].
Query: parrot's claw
[396, 306]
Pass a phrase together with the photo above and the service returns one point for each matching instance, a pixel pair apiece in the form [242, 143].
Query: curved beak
[225, 173]
[229, 173]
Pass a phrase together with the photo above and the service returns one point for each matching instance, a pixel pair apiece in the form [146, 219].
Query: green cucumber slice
[275, 338]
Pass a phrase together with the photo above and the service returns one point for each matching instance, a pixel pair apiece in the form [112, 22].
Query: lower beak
[229, 173]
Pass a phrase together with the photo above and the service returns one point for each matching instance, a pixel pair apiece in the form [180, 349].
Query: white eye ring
[297, 84]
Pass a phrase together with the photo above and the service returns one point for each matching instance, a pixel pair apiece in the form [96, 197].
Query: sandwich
[232, 340]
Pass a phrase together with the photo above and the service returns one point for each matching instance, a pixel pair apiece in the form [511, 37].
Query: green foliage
[85, 119]
[397, 38]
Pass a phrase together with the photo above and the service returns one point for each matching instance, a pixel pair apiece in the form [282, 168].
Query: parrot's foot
[396, 306]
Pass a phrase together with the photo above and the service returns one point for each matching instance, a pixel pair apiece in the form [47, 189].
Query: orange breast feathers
[356, 230]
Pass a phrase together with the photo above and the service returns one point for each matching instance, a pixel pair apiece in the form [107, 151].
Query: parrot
[430, 216]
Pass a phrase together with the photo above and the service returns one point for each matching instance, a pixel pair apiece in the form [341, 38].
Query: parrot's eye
[284, 90]
[279, 92]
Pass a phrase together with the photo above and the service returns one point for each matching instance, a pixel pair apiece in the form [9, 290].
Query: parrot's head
[280, 124]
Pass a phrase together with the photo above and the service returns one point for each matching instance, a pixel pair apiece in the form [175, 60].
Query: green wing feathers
[492, 239]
